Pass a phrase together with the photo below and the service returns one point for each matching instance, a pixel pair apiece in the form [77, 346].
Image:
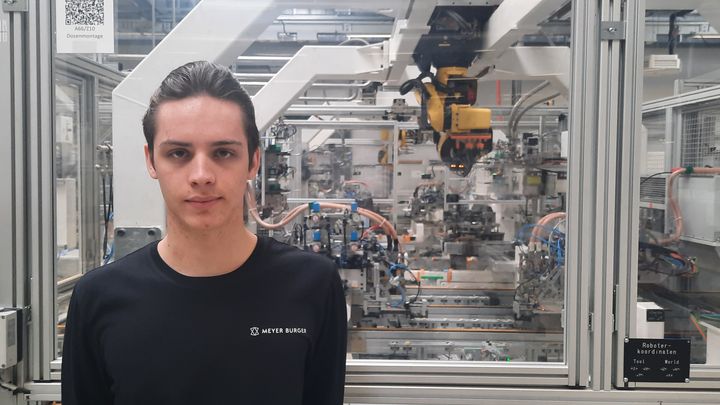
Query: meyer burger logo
[256, 331]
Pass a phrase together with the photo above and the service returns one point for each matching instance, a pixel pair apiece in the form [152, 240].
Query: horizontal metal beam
[370, 111]
[341, 124]
[455, 367]
[463, 395]
[693, 97]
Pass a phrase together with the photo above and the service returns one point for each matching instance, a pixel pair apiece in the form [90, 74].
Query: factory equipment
[461, 131]
[426, 211]
[479, 256]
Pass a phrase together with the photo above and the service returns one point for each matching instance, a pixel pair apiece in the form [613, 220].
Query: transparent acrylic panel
[83, 133]
[476, 270]
[481, 272]
[679, 260]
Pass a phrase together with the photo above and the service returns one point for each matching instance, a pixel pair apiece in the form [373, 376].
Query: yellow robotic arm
[461, 132]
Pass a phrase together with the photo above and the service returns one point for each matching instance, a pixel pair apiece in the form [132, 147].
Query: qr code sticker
[84, 12]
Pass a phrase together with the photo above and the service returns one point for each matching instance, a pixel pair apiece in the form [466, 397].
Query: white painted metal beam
[511, 20]
[405, 37]
[550, 63]
[313, 63]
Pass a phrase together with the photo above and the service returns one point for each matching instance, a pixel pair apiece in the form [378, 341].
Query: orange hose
[674, 206]
[252, 209]
[692, 318]
[539, 227]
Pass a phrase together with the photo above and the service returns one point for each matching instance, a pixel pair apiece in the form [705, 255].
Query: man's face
[201, 161]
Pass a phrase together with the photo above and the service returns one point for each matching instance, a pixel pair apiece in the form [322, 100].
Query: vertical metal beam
[19, 187]
[609, 111]
[41, 188]
[12, 257]
[582, 192]
[629, 179]
[7, 124]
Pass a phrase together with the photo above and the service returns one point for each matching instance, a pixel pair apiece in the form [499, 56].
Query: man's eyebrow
[175, 143]
[188, 144]
[227, 142]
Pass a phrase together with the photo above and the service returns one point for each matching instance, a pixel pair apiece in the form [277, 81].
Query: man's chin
[204, 226]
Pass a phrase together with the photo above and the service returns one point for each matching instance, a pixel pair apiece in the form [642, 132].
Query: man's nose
[201, 171]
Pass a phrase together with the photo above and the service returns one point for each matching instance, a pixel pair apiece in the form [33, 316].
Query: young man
[212, 314]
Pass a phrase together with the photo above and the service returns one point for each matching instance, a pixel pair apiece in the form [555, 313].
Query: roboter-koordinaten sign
[85, 26]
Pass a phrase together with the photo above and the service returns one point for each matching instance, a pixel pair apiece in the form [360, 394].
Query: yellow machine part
[467, 118]
[443, 74]
[435, 108]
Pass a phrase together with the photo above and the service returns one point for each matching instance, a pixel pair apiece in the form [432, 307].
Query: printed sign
[657, 360]
[85, 26]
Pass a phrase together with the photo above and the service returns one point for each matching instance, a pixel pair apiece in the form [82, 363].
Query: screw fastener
[625, 379]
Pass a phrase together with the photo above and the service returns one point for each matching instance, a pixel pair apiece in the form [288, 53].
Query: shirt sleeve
[325, 373]
[84, 381]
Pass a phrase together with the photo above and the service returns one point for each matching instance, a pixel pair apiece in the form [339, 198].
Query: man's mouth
[203, 202]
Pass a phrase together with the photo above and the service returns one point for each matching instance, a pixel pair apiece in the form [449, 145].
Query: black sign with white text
[657, 360]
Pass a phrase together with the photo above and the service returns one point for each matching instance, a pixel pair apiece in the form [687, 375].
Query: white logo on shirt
[256, 331]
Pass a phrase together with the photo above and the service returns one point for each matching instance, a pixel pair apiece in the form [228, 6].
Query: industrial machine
[461, 131]
[446, 219]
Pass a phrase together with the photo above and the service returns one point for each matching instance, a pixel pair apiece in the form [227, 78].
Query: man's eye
[178, 154]
[224, 153]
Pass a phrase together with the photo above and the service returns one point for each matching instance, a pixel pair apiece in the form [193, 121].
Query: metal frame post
[41, 187]
[13, 279]
[629, 182]
[581, 190]
[608, 200]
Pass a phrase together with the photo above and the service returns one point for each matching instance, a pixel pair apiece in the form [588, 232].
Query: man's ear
[255, 167]
[150, 163]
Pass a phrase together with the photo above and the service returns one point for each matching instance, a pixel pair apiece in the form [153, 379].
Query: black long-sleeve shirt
[270, 332]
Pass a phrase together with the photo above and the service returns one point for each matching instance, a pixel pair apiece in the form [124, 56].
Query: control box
[8, 338]
[650, 321]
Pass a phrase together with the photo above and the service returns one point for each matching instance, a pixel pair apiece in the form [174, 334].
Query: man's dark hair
[202, 78]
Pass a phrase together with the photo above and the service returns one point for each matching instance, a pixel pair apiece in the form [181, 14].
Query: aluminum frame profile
[13, 214]
[628, 222]
[607, 204]
[429, 395]
[8, 124]
[581, 191]
[41, 189]
[692, 97]
[433, 395]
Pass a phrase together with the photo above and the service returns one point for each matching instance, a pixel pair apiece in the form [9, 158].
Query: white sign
[85, 26]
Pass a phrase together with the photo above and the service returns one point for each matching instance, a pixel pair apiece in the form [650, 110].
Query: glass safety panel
[443, 207]
[679, 261]
[451, 243]
[83, 136]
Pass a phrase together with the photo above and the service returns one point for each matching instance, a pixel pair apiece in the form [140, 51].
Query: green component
[274, 149]
[689, 170]
[508, 359]
[431, 277]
